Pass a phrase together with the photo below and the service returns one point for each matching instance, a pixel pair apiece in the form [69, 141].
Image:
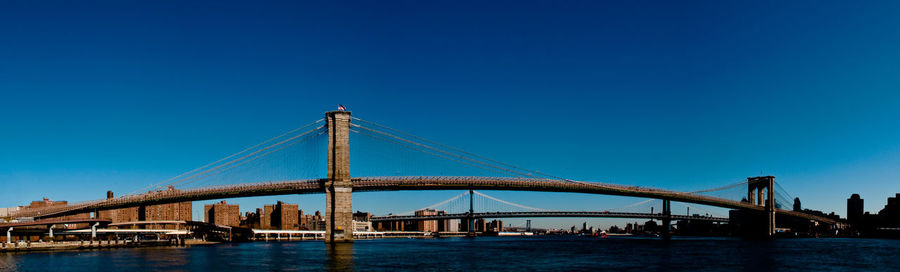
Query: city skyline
[119, 107]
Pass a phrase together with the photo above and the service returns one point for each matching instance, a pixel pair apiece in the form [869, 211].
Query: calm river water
[557, 253]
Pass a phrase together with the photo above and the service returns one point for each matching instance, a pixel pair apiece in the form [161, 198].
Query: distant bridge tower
[338, 186]
[667, 218]
[470, 219]
[755, 187]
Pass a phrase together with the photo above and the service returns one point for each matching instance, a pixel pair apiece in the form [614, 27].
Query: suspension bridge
[291, 163]
[579, 214]
[459, 207]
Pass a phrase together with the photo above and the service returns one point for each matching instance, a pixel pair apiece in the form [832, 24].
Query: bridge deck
[369, 184]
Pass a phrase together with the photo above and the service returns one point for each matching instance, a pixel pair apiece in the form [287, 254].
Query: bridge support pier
[667, 219]
[338, 185]
[9, 235]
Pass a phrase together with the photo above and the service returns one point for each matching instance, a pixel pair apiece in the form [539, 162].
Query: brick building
[312, 221]
[252, 219]
[181, 211]
[45, 203]
[280, 216]
[222, 213]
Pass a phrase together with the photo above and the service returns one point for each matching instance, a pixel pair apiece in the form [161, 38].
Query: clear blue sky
[115, 95]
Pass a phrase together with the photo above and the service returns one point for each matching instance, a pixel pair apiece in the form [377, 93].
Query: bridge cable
[461, 151]
[437, 204]
[246, 156]
[158, 185]
[420, 150]
[633, 204]
[508, 203]
[441, 151]
[720, 188]
[778, 185]
[321, 132]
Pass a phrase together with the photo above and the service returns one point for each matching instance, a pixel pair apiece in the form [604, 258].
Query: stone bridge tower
[338, 186]
[761, 192]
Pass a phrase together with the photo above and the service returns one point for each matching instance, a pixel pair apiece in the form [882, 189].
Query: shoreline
[95, 245]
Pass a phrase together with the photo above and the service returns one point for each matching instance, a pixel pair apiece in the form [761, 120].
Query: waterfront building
[180, 211]
[854, 208]
[280, 216]
[890, 215]
[480, 225]
[427, 225]
[495, 226]
[651, 226]
[362, 225]
[448, 225]
[312, 221]
[251, 219]
[634, 228]
[45, 203]
[361, 216]
[361, 221]
[222, 213]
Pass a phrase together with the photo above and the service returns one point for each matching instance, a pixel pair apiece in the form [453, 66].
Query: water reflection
[543, 253]
[340, 257]
[7, 262]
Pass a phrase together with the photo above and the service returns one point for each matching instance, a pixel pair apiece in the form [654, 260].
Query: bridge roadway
[412, 183]
[579, 214]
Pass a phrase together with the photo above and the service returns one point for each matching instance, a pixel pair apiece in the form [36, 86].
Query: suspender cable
[509, 203]
[246, 156]
[158, 185]
[532, 172]
[254, 158]
[401, 142]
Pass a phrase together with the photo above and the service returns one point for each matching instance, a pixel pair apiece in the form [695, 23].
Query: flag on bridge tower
[341, 107]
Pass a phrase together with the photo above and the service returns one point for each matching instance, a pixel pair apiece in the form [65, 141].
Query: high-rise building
[180, 211]
[797, 207]
[281, 216]
[223, 214]
[854, 208]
